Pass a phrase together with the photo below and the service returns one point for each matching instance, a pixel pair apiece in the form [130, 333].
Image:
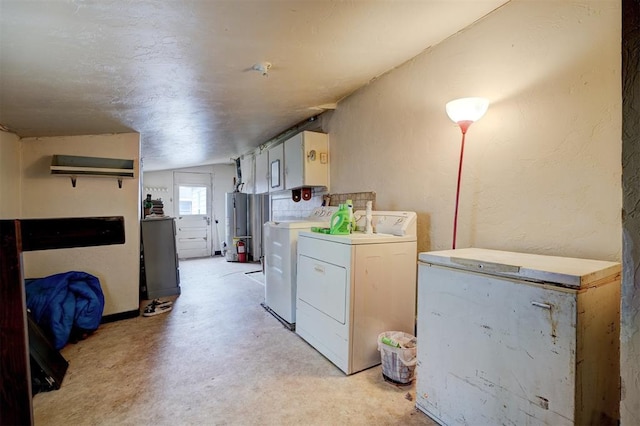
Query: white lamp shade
[467, 109]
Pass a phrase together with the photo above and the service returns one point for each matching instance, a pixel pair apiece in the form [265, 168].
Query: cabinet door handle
[318, 269]
[541, 305]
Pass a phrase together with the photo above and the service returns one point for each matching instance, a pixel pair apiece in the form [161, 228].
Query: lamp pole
[464, 112]
[464, 126]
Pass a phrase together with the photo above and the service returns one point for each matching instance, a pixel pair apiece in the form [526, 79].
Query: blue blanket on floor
[65, 303]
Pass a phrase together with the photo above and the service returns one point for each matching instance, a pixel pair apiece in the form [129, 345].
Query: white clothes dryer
[351, 288]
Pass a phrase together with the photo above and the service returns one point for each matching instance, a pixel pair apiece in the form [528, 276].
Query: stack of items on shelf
[158, 207]
[153, 207]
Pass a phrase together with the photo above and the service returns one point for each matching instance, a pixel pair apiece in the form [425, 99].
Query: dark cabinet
[159, 268]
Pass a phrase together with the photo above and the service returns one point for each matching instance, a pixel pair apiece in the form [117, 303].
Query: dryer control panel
[398, 223]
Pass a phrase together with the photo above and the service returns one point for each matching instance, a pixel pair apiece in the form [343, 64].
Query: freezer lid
[565, 271]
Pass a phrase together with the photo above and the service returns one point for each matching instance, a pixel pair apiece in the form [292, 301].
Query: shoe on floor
[158, 302]
[152, 310]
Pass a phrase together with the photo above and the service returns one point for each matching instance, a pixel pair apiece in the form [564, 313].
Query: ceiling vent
[74, 166]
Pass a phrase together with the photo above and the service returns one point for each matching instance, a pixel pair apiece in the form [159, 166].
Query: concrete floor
[218, 358]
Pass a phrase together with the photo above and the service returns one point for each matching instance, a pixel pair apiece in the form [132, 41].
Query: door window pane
[193, 200]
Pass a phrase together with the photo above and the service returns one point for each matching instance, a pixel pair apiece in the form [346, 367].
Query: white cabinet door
[306, 160]
[493, 350]
[261, 185]
[276, 168]
[247, 168]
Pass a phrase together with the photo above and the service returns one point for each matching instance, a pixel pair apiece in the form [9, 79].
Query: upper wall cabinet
[247, 168]
[276, 168]
[306, 157]
[261, 177]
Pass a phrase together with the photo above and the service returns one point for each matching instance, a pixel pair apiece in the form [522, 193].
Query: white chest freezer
[518, 339]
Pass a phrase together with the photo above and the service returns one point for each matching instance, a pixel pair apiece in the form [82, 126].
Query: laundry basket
[398, 355]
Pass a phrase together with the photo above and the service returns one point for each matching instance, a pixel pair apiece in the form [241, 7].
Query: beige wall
[9, 176]
[541, 169]
[44, 195]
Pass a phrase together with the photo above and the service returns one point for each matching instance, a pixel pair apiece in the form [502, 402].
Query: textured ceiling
[180, 72]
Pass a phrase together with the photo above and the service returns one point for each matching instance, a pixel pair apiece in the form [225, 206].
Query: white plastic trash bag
[398, 356]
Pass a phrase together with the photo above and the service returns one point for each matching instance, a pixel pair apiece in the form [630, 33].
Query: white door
[192, 191]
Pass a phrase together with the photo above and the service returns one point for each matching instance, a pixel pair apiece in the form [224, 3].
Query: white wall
[222, 180]
[541, 169]
[10, 181]
[160, 186]
[47, 196]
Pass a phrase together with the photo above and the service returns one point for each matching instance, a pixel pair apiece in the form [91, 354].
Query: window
[193, 200]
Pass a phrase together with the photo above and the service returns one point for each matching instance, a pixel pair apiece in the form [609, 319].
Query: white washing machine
[280, 246]
[353, 287]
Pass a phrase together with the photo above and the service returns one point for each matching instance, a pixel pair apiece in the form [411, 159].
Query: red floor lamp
[464, 112]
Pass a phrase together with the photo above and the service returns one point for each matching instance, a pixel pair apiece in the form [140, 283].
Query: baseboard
[120, 316]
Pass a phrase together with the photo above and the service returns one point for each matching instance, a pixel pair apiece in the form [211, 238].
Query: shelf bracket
[74, 180]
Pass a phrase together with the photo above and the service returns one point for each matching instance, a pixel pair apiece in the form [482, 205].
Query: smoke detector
[262, 67]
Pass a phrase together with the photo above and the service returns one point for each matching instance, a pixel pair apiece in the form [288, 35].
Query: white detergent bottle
[368, 228]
